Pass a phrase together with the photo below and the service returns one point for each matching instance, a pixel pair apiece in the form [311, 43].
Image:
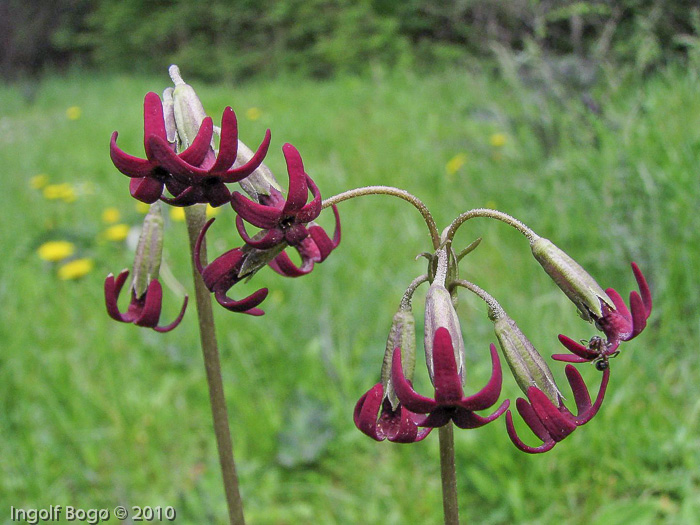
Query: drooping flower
[288, 220]
[553, 422]
[223, 272]
[449, 402]
[205, 181]
[149, 177]
[379, 414]
[375, 417]
[144, 310]
[617, 322]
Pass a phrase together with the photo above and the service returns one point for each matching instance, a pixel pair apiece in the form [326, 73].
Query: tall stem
[396, 192]
[448, 473]
[196, 218]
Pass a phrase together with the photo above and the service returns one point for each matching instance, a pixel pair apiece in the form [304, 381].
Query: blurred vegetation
[234, 40]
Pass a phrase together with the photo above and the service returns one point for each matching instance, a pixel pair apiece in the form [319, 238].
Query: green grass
[95, 413]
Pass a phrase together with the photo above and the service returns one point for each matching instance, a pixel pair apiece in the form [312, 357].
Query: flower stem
[491, 214]
[448, 473]
[396, 192]
[196, 217]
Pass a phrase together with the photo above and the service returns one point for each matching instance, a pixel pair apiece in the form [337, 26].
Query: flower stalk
[448, 474]
[196, 217]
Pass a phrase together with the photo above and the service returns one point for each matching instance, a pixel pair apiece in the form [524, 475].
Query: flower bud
[149, 251]
[527, 365]
[188, 110]
[573, 280]
[401, 335]
[440, 312]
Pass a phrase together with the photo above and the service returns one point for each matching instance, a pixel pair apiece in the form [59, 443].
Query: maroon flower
[284, 220]
[618, 324]
[205, 181]
[552, 423]
[449, 402]
[142, 311]
[148, 175]
[222, 273]
[375, 417]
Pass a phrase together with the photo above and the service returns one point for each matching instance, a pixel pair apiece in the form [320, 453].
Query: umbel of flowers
[183, 167]
[392, 410]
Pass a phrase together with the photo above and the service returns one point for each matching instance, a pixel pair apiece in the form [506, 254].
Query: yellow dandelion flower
[253, 113]
[116, 232]
[39, 181]
[212, 212]
[74, 112]
[110, 215]
[142, 207]
[455, 163]
[63, 191]
[55, 250]
[75, 269]
[498, 140]
[177, 214]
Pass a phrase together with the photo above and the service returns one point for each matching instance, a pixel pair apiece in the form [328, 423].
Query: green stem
[396, 192]
[491, 214]
[196, 217]
[448, 473]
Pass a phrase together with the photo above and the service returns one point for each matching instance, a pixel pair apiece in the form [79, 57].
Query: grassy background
[95, 413]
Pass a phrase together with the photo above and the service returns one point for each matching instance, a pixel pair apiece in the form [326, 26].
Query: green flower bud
[401, 335]
[573, 280]
[149, 250]
[527, 365]
[188, 109]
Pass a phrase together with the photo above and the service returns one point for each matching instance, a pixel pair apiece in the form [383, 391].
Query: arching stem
[396, 192]
[491, 214]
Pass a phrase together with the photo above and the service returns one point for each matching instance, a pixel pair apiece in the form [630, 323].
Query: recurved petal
[146, 189]
[259, 215]
[241, 172]
[228, 146]
[177, 320]
[558, 425]
[150, 314]
[467, 419]
[446, 379]
[271, 238]
[283, 265]
[128, 164]
[153, 119]
[246, 306]
[298, 192]
[313, 209]
[643, 288]
[574, 347]
[510, 427]
[113, 288]
[488, 395]
[404, 391]
[367, 411]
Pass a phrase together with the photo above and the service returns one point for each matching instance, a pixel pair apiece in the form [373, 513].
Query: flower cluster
[393, 410]
[182, 168]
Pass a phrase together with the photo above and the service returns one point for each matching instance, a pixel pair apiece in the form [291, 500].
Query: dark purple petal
[112, 290]
[531, 420]
[153, 120]
[128, 164]
[404, 391]
[153, 302]
[147, 189]
[313, 209]
[446, 379]
[198, 246]
[271, 238]
[401, 426]
[215, 192]
[259, 215]
[187, 167]
[574, 347]
[488, 395]
[558, 425]
[284, 266]
[320, 237]
[367, 411]
[228, 145]
[639, 315]
[579, 389]
[583, 418]
[438, 417]
[568, 358]
[177, 320]
[619, 303]
[241, 172]
[298, 192]
[643, 288]
[246, 306]
[547, 444]
[222, 272]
